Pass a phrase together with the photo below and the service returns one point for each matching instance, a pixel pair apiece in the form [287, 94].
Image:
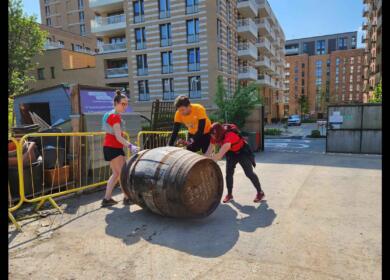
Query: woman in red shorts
[237, 151]
[114, 142]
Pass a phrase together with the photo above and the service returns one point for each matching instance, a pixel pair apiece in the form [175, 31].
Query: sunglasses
[124, 104]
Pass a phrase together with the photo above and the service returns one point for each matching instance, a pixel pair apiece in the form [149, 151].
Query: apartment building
[69, 15]
[335, 78]
[372, 12]
[159, 49]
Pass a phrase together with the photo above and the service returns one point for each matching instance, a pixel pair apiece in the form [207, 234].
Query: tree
[377, 97]
[303, 104]
[236, 108]
[25, 40]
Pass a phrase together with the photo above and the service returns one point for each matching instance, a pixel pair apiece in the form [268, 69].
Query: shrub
[272, 131]
[315, 133]
[309, 121]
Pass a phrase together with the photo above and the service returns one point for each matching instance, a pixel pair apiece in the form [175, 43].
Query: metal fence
[354, 129]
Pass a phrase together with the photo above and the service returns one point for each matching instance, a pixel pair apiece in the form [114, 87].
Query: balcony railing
[144, 97]
[365, 11]
[245, 25]
[53, 45]
[102, 21]
[139, 19]
[192, 9]
[165, 14]
[140, 46]
[113, 47]
[117, 72]
[292, 51]
[247, 73]
[142, 71]
[365, 25]
[195, 94]
[169, 95]
[166, 42]
[192, 38]
[247, 8]
[166, 69]
[194, 67]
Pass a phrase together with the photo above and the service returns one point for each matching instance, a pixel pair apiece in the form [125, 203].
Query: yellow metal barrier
[154, 139]
[87, 168]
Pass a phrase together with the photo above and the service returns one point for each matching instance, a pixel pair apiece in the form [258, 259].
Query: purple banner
[97, 101]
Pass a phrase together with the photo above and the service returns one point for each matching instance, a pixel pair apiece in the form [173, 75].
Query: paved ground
[321, 220]
[307, 145]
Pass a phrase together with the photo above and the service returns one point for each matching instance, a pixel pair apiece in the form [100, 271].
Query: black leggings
[245, 161]
[202, 143]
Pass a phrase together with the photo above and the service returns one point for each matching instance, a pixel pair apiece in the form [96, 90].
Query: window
[62, 44]
[303, 74]
[219, 58]
[193, 59]
[353, 42]
[219, 30]
[140, 39]
[193, 30]
[318, 84]
[337, 61]
[168, 92]
[164, 8]
[342, 43]
[165, 35]
[142, 64]
[48, 21]
[82, 29]
[359, 59]
[41, 73]
[296, 69]
[81, 17]
[72, 45]
[350, 78]
[229, 37]
[351, 70]
[303, 82]
[138, 9]
[192, 6]
[80, 4]
[320, 47]
[302, 91]
[47, 10]
[143, 90]
[194, 86]
[52, 72]
[218, 6]
[166, 62]
[303, 66]
[351, 60]
[228, 10]
[229, 63]
[305, 48]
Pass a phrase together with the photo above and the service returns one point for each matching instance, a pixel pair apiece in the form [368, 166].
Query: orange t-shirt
[191, 121]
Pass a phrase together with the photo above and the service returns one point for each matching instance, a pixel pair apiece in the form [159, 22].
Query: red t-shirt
[110, 139]
[232, 138]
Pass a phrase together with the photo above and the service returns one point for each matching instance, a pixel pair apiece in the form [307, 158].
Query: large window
[193, 30]
[219, 30]
[320, 47]
[165, 35]
[143, 90]
[140, 38]
[81, 17]
[48, 21]
[80, 4]
[342, 43]
[193, 59]
[138, 8]
[166, 62]
[318, 84]
[168, 92]
[40, 73]
[219, 58]
[192, 6]
[228, 10]
[194, 86]
[82, 29]
[164, 8]
[142, 65]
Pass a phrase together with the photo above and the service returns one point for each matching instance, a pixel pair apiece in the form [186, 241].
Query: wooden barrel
[173, 182]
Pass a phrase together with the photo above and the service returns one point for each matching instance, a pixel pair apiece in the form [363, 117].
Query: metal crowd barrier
[155, 139]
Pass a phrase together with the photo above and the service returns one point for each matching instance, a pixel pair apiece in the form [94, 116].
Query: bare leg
[116, 166]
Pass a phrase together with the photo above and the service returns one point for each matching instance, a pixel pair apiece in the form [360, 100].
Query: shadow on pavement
[210, 237]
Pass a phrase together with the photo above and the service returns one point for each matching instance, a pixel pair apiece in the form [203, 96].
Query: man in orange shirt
[194, 117]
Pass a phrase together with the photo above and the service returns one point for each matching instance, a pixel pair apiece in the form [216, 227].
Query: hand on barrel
[134, 149]
[184, 143]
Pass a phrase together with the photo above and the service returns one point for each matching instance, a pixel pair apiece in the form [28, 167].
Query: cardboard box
[57, 176]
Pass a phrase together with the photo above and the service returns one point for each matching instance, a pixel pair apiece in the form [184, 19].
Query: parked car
[294, 120]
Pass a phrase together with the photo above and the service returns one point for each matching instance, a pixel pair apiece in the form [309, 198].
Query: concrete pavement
[321, 220]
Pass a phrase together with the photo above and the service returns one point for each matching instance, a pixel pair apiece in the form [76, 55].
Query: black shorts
[111, 153]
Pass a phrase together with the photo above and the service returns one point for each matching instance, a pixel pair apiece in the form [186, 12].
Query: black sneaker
[126, 201]
[108, 202]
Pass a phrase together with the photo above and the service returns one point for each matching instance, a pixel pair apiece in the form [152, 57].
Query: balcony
[142, 71]
[247, 73]
[264, 26]
[365, 25]
[247, 29]
[104, 6]
[264, 44]
[265, 64]
[264, 80]
[166, 42]
[140, 45]
[292, 51]
[139, 19]
[117, 72]
[247, 8]
[264, 7]
[112, 25]
[192, 38]
[53, 45]
[165, 14]
[144, 97]
[166, 69]
[114, 47]
[365, 12]
[192, 9]
[193, 67]
[168, 95]
[247, 51]
[195, 94]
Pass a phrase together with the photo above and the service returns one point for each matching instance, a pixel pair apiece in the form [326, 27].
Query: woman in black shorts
[113, 146]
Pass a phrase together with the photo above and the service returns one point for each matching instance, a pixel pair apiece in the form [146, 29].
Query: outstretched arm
[118, 135]
[210, 149]
[176, 128]
[224, 149]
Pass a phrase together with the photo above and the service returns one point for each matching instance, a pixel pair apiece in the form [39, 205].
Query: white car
[294, 120]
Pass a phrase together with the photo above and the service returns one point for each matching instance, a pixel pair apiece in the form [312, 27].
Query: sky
[298, 18]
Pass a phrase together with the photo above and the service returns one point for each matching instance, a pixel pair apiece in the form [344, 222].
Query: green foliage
[309, 121]
[272, 131]
[10, 114]
[236, 108]
[25, 40]
[315, 133]
[377, 97]
[303, 104]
